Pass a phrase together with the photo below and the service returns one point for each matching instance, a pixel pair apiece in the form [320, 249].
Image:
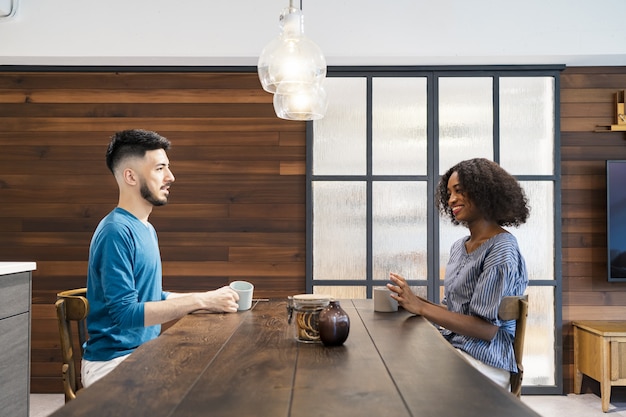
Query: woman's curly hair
[495, 192]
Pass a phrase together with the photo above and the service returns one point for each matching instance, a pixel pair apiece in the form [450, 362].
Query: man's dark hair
[495, 192]
[134, 143]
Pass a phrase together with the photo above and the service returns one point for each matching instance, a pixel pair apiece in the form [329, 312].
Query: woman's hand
[403, 294]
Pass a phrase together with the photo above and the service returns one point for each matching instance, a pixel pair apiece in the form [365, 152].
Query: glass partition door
[373, 162]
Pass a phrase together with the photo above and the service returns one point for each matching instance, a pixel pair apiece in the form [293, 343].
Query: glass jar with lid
[304, 310]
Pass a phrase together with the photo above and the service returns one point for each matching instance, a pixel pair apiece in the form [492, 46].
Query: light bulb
[308, 102]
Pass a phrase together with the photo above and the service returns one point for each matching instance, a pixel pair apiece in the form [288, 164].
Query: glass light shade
[291, 59]
[308, 102]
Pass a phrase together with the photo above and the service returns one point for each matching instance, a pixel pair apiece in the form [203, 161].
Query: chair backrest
[516, 308]
[72, 307]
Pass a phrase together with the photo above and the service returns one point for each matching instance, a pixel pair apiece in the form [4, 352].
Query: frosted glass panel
[465, 120]
[448, 234]
[339, 232]
[527, 122]
[399, 126]
[536, 236]
[339, 139]
[339, 292]
[399, 232]
[539, 347]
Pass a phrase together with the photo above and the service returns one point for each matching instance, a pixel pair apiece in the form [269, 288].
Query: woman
[483, 268]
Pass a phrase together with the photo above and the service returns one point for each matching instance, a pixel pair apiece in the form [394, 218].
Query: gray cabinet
[15, 300]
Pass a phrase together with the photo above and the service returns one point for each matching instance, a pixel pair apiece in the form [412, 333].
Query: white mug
[383, 301]
[245, 290]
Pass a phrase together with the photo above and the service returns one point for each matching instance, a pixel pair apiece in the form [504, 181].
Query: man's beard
[148, 196]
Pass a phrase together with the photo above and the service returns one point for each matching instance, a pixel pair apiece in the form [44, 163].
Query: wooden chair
[72, 308]
[516, 308]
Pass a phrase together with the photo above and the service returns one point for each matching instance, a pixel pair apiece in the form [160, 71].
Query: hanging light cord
[13, 10]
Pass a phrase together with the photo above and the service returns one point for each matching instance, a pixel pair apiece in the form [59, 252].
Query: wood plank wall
[587, 100]
[236, 211]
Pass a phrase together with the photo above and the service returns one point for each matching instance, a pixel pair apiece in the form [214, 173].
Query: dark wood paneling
[237, 208]
[587, 100]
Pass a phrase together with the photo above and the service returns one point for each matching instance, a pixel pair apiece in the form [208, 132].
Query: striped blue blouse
[475, 284]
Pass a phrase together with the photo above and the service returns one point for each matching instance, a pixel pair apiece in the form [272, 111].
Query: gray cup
[245, 290]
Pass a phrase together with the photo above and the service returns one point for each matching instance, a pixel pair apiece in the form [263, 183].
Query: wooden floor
[585, 405]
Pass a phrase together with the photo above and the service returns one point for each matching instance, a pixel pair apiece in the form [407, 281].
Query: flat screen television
[616, 219]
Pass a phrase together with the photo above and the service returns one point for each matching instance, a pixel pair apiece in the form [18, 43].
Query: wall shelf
[620, 116]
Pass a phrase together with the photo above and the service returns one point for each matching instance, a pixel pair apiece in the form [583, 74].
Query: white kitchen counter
[15, 267]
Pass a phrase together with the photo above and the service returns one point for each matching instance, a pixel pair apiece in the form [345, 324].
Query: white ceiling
[349, 32]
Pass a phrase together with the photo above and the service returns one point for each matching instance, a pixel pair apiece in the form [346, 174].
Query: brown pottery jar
[334, 324]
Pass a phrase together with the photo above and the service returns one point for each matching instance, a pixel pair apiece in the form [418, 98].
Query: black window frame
[434, 283]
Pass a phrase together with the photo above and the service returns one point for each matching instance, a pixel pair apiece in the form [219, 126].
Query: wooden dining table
[250, 364]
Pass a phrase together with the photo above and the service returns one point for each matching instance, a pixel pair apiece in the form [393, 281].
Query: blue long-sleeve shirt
[124, 273]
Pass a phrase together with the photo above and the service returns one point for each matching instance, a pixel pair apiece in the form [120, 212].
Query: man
[126, 302]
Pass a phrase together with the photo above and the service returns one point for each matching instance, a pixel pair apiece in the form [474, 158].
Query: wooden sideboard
[15, 296]
[600, 353]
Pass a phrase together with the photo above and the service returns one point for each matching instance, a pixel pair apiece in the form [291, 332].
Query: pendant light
[293, 68]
